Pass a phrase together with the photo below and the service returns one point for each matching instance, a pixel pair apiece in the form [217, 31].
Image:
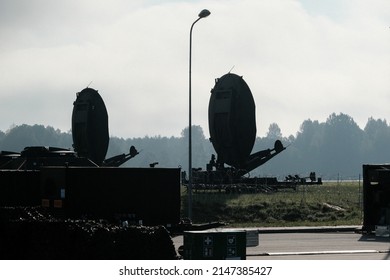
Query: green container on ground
[214, 245]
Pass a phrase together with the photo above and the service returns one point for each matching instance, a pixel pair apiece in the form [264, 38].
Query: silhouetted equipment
[376, 198]
[232, 120]
[303, 180]
[120, 159]
[83, 182]
[36, 157]
[90, 126]
[90, 130]
[147, 195]
[6, 157]
[232, 125]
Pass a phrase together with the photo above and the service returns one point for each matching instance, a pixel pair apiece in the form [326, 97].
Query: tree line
[336, 148]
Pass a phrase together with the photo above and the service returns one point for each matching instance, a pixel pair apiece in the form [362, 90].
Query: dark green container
[215, 245]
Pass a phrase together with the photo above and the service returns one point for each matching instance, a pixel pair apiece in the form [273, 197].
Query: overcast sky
[302, 59]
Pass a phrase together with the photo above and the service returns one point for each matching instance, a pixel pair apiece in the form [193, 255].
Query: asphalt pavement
[313, 243]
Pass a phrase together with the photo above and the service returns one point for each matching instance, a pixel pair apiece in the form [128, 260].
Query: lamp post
[204, 13]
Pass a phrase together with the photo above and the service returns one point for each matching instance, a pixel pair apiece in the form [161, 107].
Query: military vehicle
[232, 127]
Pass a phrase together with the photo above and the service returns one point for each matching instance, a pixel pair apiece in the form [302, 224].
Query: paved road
[306, 245]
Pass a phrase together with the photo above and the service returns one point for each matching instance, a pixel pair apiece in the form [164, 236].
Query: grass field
[320, 205]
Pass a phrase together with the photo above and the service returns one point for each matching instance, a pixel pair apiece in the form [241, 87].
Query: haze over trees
[333, 149]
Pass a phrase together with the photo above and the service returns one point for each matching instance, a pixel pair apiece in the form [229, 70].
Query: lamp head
[204, 13]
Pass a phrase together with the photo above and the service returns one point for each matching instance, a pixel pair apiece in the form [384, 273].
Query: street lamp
[204, 13]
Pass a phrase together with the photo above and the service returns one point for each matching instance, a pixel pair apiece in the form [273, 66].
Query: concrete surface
[314, 243]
